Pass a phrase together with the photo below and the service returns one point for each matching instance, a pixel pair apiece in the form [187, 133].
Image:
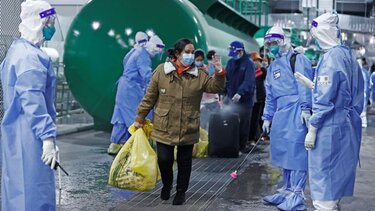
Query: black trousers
[184, 162]
[244, 113]
[256, 121]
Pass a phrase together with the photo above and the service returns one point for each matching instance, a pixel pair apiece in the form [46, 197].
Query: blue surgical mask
[274, 49]
[48, 32]
[187, 59]
[237, 57]
[199, 63]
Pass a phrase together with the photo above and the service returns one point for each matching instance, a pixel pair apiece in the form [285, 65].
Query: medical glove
[49, 153]
[310, 138]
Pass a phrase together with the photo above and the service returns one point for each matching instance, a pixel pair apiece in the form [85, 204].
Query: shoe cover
[293, 202]
[276, 198]
[113, 148]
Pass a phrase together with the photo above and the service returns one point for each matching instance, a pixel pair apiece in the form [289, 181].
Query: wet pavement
[84, 156]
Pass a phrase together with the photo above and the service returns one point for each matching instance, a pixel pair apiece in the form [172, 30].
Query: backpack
[293, 61]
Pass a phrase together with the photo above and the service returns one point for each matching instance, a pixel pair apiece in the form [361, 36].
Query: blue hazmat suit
[372, 81]
[366, 78]
[130, 91]
[28, 83]
[285, 100]
[337, 105]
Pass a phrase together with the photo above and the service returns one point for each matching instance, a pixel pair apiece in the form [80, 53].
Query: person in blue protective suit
[335, 131]
[28, 127]
[240, 88]
[288, 107]
[119, 131]
[372, 85]
[366, 78]
[131, 89]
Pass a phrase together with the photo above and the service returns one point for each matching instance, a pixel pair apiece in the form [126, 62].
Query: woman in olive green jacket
[175, 94]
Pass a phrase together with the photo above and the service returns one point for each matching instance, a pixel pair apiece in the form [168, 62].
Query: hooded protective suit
[337, 104]
[132, 87]
[286, 102]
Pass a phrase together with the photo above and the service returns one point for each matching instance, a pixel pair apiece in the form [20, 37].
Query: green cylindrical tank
[103, 32]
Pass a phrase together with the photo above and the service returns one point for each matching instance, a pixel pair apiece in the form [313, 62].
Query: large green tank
[103, 32]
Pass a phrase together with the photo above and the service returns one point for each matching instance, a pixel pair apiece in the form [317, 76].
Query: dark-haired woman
[175, 92]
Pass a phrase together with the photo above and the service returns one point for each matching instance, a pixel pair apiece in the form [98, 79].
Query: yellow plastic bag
[200, 149]
[135, 166]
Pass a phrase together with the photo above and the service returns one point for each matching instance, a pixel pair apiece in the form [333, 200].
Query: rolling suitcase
[224, 135]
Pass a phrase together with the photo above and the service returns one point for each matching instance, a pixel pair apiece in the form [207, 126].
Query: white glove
[310, 138]
[304, 80]
[236, 98]
[305, 117]
[266, 126]
[49, 153]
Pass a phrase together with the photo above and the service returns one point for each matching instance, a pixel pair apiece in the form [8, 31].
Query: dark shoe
[165, 193]
[179, 199]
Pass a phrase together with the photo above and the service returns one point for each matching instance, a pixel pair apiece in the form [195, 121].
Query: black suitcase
[224, 135]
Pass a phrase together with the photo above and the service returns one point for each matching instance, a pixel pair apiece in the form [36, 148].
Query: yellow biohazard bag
[200, 149]
[135, 166]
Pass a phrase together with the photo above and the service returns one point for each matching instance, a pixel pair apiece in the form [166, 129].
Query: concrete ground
[84, 156]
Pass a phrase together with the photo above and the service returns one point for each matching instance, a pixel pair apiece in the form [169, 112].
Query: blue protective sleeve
[144, 65]
[30, 87]
[303, 66]
[270, 107]
[325, 90]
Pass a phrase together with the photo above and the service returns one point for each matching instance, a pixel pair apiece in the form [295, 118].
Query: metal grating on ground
[209, 178]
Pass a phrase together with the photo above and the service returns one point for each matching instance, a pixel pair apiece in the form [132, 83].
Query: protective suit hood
[277, 34]
[32, 23]
[326, 31]
[155, 46]
[141, 39]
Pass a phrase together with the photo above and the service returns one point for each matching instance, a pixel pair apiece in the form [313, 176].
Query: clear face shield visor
[312, 41]
[158, 51]
[273, 40]
[52, 35]
[51, 20]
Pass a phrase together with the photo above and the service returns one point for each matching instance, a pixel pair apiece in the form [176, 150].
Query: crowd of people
[313, 116]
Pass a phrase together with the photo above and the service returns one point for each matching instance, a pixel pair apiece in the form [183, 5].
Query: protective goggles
[273, 39]
[142, 41]
[160, 46]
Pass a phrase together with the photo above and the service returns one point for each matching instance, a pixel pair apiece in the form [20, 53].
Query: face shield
[53, 38]
[155, 50]
[274, 43]
[273, 40]
[51, 29]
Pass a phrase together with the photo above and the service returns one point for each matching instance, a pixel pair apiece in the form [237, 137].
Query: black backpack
[293, 61]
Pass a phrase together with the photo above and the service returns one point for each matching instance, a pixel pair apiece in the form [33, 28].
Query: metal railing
[68, 110]
[255, 10]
